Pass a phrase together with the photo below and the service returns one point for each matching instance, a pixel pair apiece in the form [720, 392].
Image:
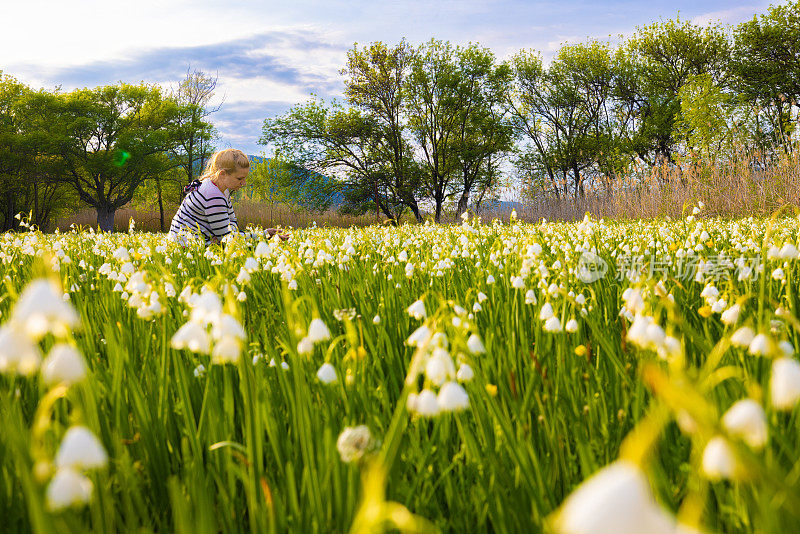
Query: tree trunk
[463, 203]
[160, 203]
[36, 202]
[415, 210]
[105, 218]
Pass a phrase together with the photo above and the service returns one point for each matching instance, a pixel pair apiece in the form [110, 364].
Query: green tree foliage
[562, 112]
[112, 139]
[454, 96]
[766, 68]
[375, 78]
[28, 168]
[662, 58]
[338, 142]
[279, 181]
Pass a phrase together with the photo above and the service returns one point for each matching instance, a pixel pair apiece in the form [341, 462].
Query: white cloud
[259, 89]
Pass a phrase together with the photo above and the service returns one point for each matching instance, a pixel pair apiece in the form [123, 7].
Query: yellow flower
[491, 389]
[705, 312]
[580, 350]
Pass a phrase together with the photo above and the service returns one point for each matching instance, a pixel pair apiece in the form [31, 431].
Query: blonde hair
[225, 160]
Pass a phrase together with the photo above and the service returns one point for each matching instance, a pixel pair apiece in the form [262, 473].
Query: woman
[206, 209]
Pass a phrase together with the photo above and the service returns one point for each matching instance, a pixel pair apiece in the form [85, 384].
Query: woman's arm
[272, 231]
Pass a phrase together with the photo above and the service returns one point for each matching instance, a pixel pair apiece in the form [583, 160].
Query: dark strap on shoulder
[194, 186]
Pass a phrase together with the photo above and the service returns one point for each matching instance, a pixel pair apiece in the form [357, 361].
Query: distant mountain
[311, 188]
[499, 206]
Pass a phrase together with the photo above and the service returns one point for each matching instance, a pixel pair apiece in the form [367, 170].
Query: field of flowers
[506, 377]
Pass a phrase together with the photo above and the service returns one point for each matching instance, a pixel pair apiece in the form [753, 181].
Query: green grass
[246, 447]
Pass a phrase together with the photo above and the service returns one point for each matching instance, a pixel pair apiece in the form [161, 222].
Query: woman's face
[232, 181]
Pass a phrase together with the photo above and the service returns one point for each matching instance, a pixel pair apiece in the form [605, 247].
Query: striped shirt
[206, 210]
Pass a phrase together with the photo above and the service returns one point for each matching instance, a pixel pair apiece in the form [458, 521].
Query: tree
[766, 66]
[11, 160]
[453, 112]
[433, 87]
[112, 139]
[29, 171]
[484, 134]
[375, 77]
[663, 57]
[193, 133]
[563, 112]
[278, 180]
[343, 143]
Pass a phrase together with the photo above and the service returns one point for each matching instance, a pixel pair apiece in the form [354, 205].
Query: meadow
[594, 376]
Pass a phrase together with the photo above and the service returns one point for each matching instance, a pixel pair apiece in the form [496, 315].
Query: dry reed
[738, 188]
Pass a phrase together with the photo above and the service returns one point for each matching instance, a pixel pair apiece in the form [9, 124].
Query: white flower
[481, 296]
[785, 383]
[226, 350]
[465, 373]
[530, 297]
[251, 264]
[719, 460]
[670, 349]
[42, 309]
[63, 365]
[192, 336]
[17, 353]
[419, 337]
[305, 346]
[326, 374]
[633, 300]
[517, 282]
[199, 371]
[571, 326]
[490, 280]
[439, 366]
[317, 331]
[731, 315]
[353, 442]
[376, 319]
[243, 277]
[786, 348]
[122, 254]
[746, 419]
[788, 252]
[206, 307]
[475, 345]
[476, 307]
[169, 289]
[743, 337]
[426, 404]
[546, 312]
[553, 324]
[68, 488]
[759, 346]
[452, 398]
[80, 449]
[226, 325]
[417, 310]
[615, 500]
[778, 274]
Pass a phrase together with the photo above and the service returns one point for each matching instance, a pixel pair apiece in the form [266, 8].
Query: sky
[270, 55]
